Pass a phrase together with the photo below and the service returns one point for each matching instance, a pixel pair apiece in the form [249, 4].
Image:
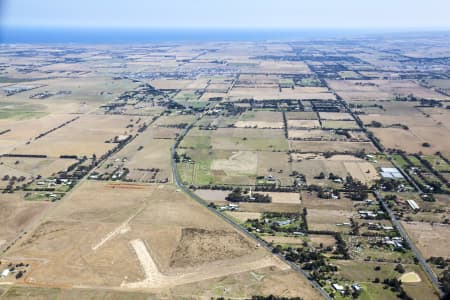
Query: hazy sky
[362, 14]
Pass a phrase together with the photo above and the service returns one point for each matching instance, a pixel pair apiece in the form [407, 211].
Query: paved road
[394, 220]
[240, 228]
[434, 280]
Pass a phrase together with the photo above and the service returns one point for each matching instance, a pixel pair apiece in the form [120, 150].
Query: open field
[356, 90]
[311, 201]
[172, 120]
[270, 93]
[117, 242]
[147, 159]
[422, 125]
[32, 167]
[326, 219]
[324, 146]
[301, 115]
[22, 131]
[16, 213]
[87, 136]
[339, 165]
[310, 124]
[412, 141]
[432, 240]
[243, 216]
[335, 116]
[333, 124]
[21, 111]
[289, 240]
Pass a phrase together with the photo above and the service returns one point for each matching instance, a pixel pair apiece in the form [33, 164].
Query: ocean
[133, 36]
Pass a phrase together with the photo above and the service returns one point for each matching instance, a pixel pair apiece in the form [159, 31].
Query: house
[283, 223]
[337, 287]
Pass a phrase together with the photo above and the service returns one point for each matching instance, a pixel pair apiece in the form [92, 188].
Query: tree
[399, 268]
[321, 176]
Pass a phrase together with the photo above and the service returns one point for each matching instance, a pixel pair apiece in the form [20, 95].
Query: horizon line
[229, 28]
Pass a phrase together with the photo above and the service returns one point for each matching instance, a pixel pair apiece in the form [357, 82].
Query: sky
[233, 14]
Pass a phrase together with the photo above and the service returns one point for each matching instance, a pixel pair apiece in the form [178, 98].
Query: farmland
[226, 169]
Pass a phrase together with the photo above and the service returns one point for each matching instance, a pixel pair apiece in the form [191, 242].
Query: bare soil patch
[200, 246]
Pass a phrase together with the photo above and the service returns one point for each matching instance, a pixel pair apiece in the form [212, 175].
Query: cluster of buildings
[342, 290]
[368, 214]
[396, 242]
[52, 182]
[377, 226]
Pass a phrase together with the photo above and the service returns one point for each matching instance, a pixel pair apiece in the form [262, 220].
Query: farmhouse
[284, 222]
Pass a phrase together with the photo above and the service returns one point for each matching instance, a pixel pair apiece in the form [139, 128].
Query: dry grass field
[312, 134]
[143, 154]
[337, 146]
[432, 240]
[326, 219]
[239, 163]
[335, 116]
[303, 124]
[172, 84]
[26, 130]
[332, 124]
[356, 90]
[212, 195]
[153, 238]
[322, 239]
[340, 165]
[423, 125]
[301, 115]
[242, 216]
[16, 214]
[32, 167]
[85, 136]
[289, 198]
[274, 93]
[277, 67]
[287, 240]
[412, 140]
[175, 119]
